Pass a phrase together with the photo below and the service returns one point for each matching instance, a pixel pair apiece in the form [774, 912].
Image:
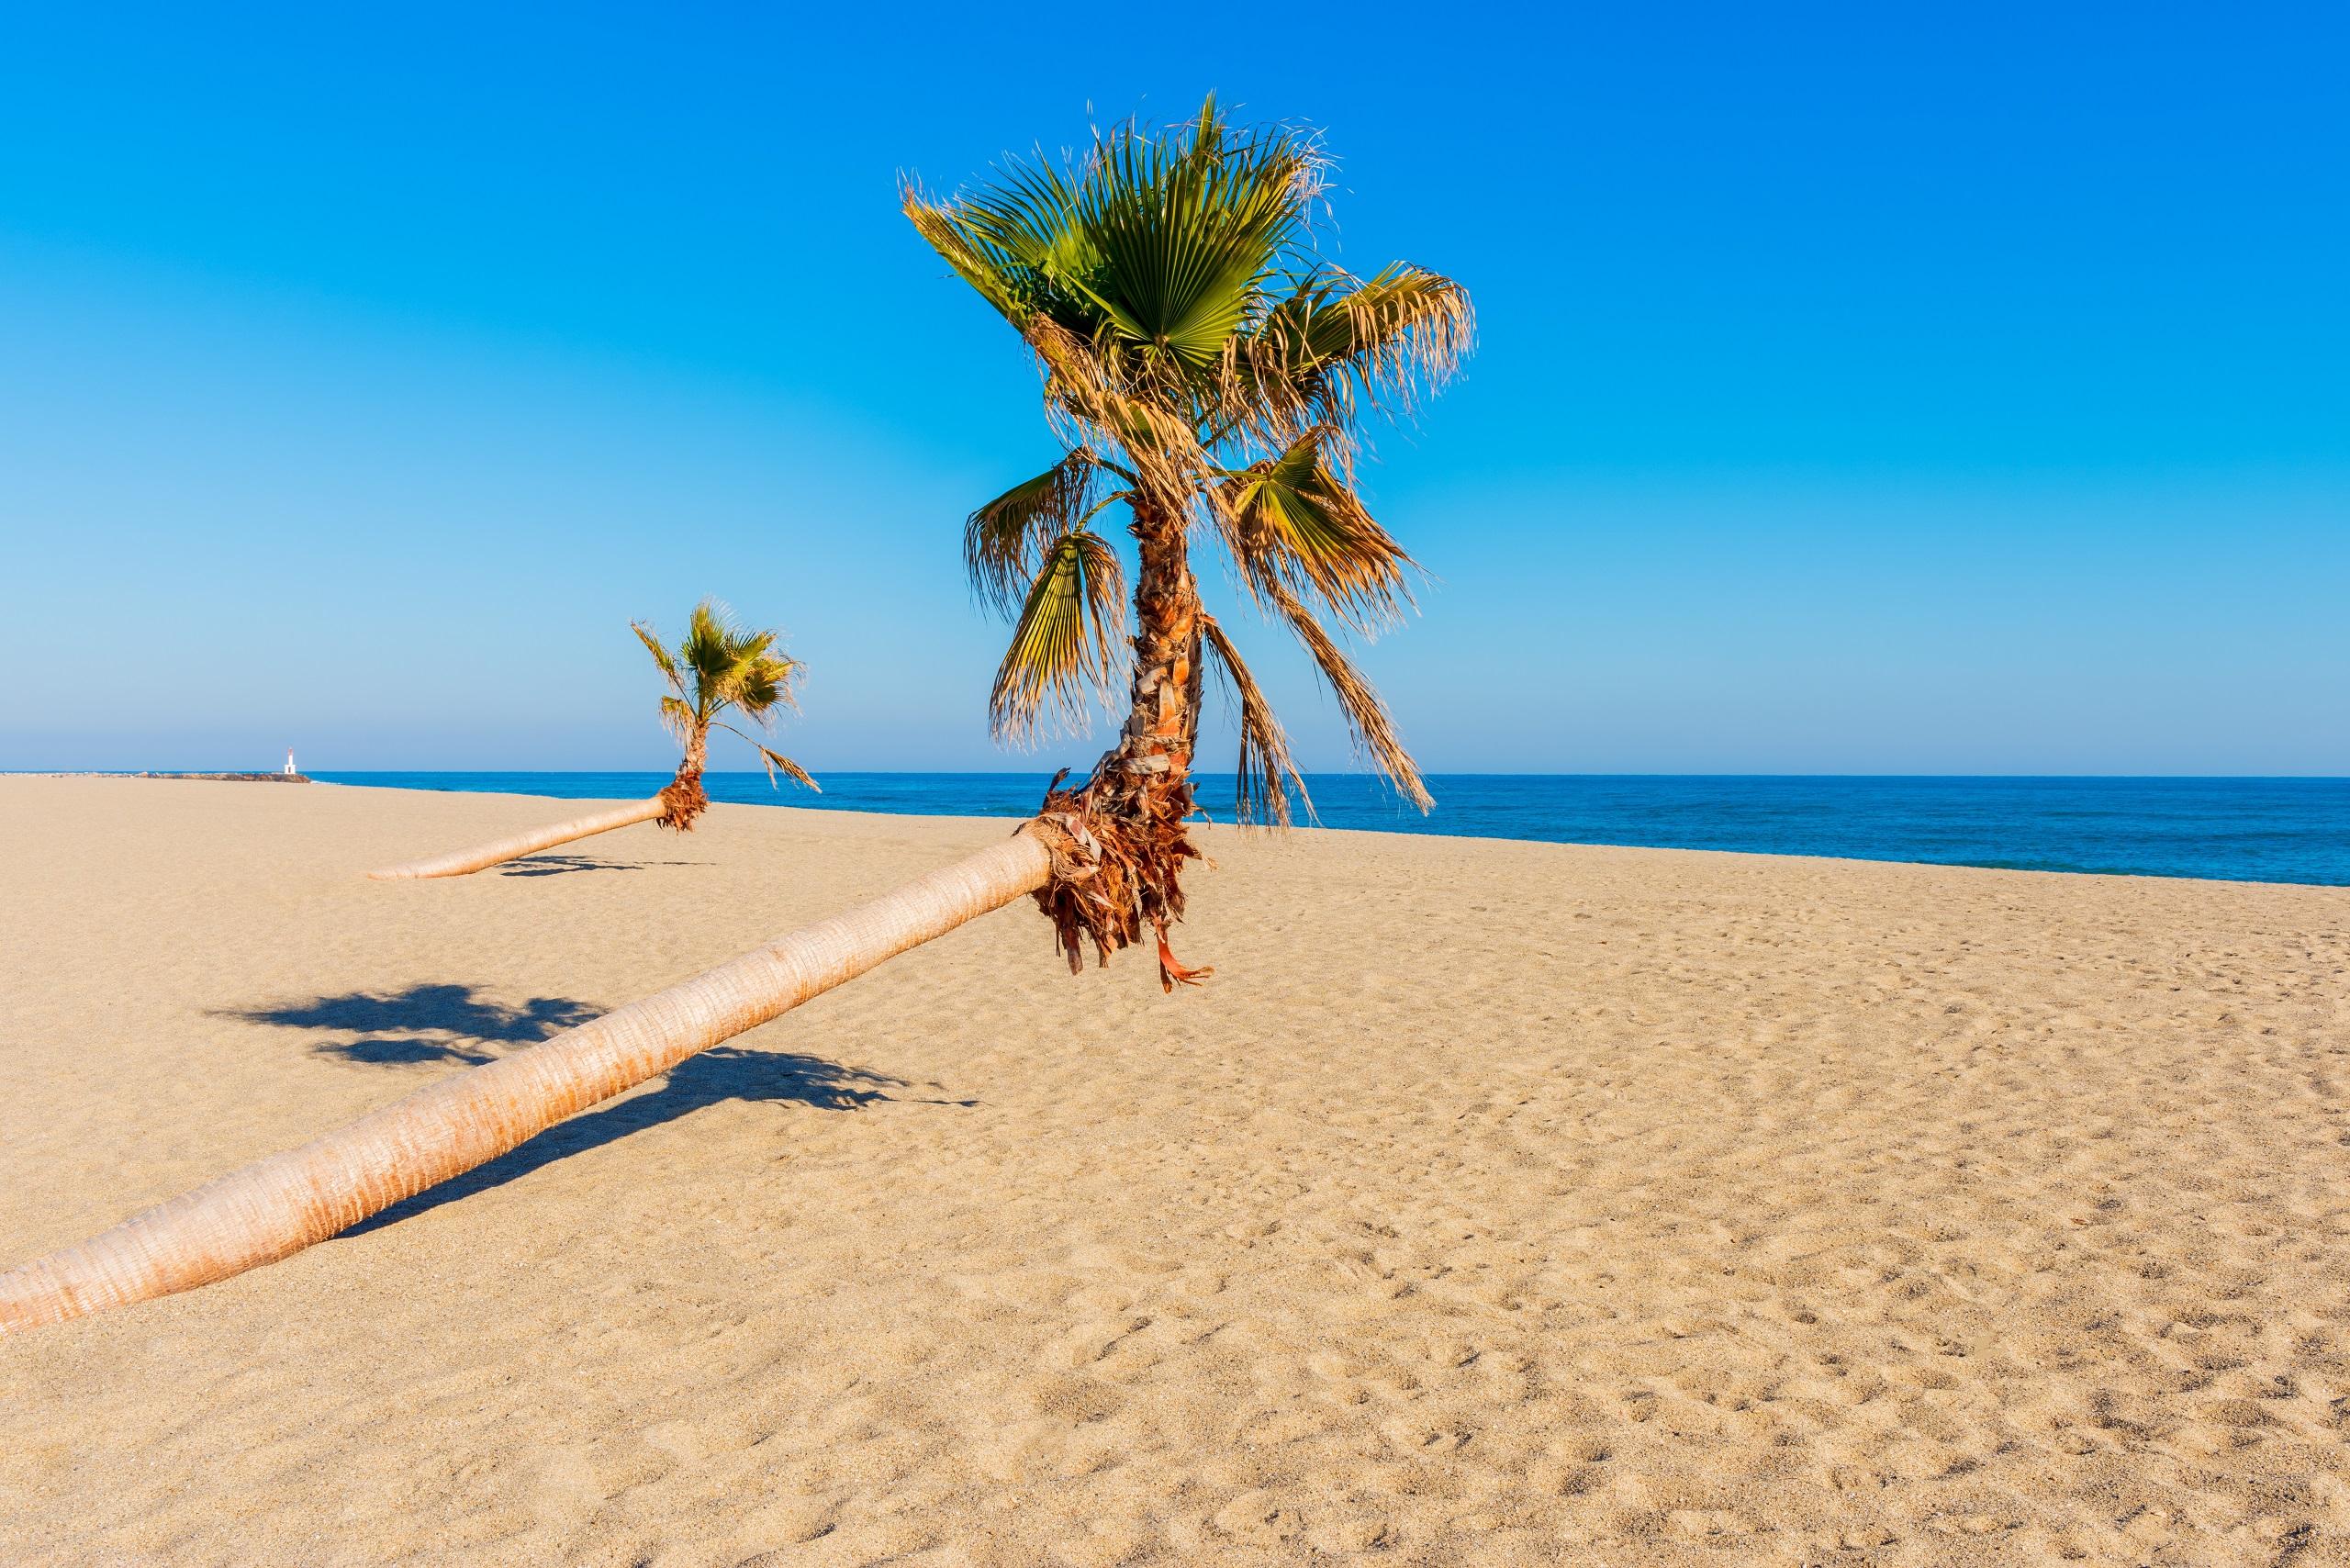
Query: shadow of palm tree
[452, 1023]
[561, 865]
[433, 1022]
[723, 1072]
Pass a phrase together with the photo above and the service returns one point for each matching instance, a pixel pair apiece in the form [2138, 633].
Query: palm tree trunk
[1139, 798]
[685, 799]
[530, 843]
[282, 1203]
[1163, 718]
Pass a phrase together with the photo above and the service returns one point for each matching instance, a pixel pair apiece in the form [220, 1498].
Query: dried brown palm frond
[1337, 343]
[1067, 647]
[1164, 460]
[1112, 876]
[1367, 719]
[1267, 772]
[677, 718]
[683, 800]
[776, 763]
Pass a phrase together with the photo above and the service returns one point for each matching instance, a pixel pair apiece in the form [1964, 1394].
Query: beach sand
[1495, 1201]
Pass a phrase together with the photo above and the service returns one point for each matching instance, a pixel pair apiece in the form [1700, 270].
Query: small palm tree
[1207, 370]
[718, 666]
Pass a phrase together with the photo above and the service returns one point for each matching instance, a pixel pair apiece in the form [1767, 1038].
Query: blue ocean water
[2260, 830]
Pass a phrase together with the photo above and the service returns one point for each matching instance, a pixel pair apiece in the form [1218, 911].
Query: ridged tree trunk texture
[679, 803]
[288, 1202]
[483, 856]
[1134, 809]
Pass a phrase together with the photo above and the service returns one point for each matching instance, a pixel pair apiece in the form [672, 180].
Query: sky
[1859, 389]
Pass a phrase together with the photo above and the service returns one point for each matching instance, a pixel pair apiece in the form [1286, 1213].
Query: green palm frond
[1267, 772]
[1372, 726]
[1191, 228]
[760, 682]
[1003, 541]
[1157, 249]
[708, 652]
[733, 667]
[1292, 517]
[1067, 645]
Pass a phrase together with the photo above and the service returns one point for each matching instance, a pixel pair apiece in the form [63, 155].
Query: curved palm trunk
[684, 799]
[1139, 797]
[531, 843]
[281, 1205]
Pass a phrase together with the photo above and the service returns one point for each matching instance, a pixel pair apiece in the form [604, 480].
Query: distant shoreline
[216, 777]
[2280, 830]
[2277, 830]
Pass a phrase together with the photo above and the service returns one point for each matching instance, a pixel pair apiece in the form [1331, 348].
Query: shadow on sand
[450, 1023]
[563, 865]
[424, 1023]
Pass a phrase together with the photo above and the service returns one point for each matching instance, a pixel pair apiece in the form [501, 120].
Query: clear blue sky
[1861, 389]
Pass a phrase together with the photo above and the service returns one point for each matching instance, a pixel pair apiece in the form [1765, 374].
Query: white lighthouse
[289, 760]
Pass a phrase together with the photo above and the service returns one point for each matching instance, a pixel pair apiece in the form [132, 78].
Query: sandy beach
[1496, 1202]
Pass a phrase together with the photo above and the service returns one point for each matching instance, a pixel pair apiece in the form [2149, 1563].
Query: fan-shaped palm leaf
[759, 682]
[1003, 542]
[1292, 517]
[1066, 647]
[1189, 230]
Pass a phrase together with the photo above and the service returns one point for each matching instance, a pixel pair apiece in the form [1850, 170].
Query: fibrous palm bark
[279, 1206]
[1132, 812]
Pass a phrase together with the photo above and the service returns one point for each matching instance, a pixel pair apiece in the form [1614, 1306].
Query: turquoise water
[2261, 830]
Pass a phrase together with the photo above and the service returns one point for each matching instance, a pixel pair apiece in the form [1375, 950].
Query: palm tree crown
[1206, 366]
[718, 666]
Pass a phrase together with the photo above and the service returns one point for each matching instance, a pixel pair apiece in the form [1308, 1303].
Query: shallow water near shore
[2252, 830]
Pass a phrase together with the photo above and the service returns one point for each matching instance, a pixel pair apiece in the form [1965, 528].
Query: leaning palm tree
[720, 667]
[1207, 370]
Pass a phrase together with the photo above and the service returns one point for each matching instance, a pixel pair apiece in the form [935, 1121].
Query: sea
[2256, 830]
